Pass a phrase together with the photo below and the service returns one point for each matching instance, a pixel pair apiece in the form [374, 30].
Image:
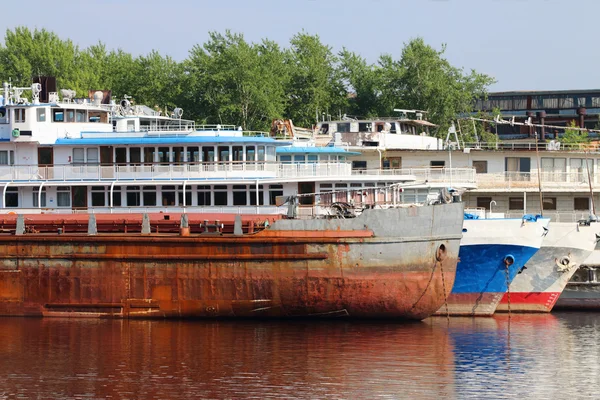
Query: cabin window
[19, 115]
[220, 195]
[313, 158]
[204, 195]
[240, 195]
[2, 112]
[515, 203]
[41, 114]
[163, 155]
[261, 196]
[343, 127]
[188, 195]
[78, 155]
[365, 127]
[549, 203]
[98, 196]
[223, 153]
[437, 164]
[121, 155]
[581, 203]
[135, 155]
[359, 165]
[149, 196]
[484, 202]
[130, 126]
[193, 154]
[237, 153]
[517, 164]
[178, 154]
[208, 154]
[92, 156]
[299, 159]
[285, 159]
[250, 153]
[168, 195]
[12, 197]
[324, 129]
[578, 168]
[392, 163]
[7, 157]
[271, 153]
[133, 196]
[393, 127]
[63, 196]
[261, 153]
[70, 115]
[116, 196]
[481, 167]
[149, 154]
[98, 116]
[274, 192]
[36, 197]
[80, 116]
[58, 115]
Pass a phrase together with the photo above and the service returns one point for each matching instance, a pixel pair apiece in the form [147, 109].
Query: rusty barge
[390, 263]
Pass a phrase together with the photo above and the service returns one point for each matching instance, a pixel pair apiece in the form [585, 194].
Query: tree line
[228, 80]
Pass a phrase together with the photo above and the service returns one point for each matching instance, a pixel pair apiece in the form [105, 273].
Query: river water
[555, 356]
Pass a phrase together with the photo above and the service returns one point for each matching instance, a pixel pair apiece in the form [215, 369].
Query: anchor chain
[508, 261]
[440, 256]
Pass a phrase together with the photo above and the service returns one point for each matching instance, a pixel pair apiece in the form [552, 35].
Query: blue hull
[482, 269]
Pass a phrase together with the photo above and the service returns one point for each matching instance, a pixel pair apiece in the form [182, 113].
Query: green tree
[316, 86]
[364, 83]
[574, 136]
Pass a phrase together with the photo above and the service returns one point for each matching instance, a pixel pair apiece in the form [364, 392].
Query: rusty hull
[352, 270]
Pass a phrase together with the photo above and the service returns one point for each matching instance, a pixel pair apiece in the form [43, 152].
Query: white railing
[155, 172]
[531, 146]
[454, 176]
[529, 180]
[241, 210]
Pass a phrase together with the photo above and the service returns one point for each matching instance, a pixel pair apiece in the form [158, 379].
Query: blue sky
[524, 44]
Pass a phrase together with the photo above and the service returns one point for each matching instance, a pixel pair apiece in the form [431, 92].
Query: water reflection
[528, 356]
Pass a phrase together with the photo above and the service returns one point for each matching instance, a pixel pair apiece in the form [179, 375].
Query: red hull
[528, 302]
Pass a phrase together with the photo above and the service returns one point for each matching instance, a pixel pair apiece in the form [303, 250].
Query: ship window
[92, 156]
[135, 155]
[133, 196]
[393, 127]
[168, 195]
[250, 153]
[41, 114]
[204, 195]
[481, 167]
[116, 196]
[313, 158]
[121, 155]
[80, 116]
[208, 154]
[130, 126]
[178, 154]
[238, 153]
[98, 116]
[78, 155]
[98, 196]
[324, 129]
[343, 127]
[299, 159]
[240, 195]
[261, 197]
[7, 157]
[149, 195]
[36, 193]
[63, 196]
[58, 115]
[223, 153]
[70, 115]
[581, 203]
[193, 154]
[220, 195]
[437, 164]
[365, 127]
[12, 197]
[285, 159]
[149, 154]
[271, 153]
[261, 153]
[274, 191]
[188, 195]
[549, 203]
[484, 202]
[19, 115]
[359, 165]
[515, 203]
[163, 154]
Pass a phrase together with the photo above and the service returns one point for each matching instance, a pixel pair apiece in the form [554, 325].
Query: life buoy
[16, 132]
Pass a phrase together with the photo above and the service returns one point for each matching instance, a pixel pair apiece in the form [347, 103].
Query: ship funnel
[177, 113]
[98, 96]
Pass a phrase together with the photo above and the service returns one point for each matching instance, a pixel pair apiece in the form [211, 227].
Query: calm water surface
[553, 356]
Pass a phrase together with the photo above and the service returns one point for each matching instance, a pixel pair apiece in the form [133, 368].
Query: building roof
[316, 150]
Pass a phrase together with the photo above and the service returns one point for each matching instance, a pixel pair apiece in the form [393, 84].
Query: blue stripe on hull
[482, 270]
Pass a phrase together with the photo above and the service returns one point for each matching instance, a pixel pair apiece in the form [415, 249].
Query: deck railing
[529, 180]
[460, 177]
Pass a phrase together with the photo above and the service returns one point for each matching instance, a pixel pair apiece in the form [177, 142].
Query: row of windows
[549, 203]
[62, 115]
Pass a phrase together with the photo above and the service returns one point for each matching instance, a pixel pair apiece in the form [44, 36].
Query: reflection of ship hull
[540, 283]
[481, 276]
[293, 268]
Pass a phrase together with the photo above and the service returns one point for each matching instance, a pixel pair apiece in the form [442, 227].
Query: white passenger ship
[80, 155]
